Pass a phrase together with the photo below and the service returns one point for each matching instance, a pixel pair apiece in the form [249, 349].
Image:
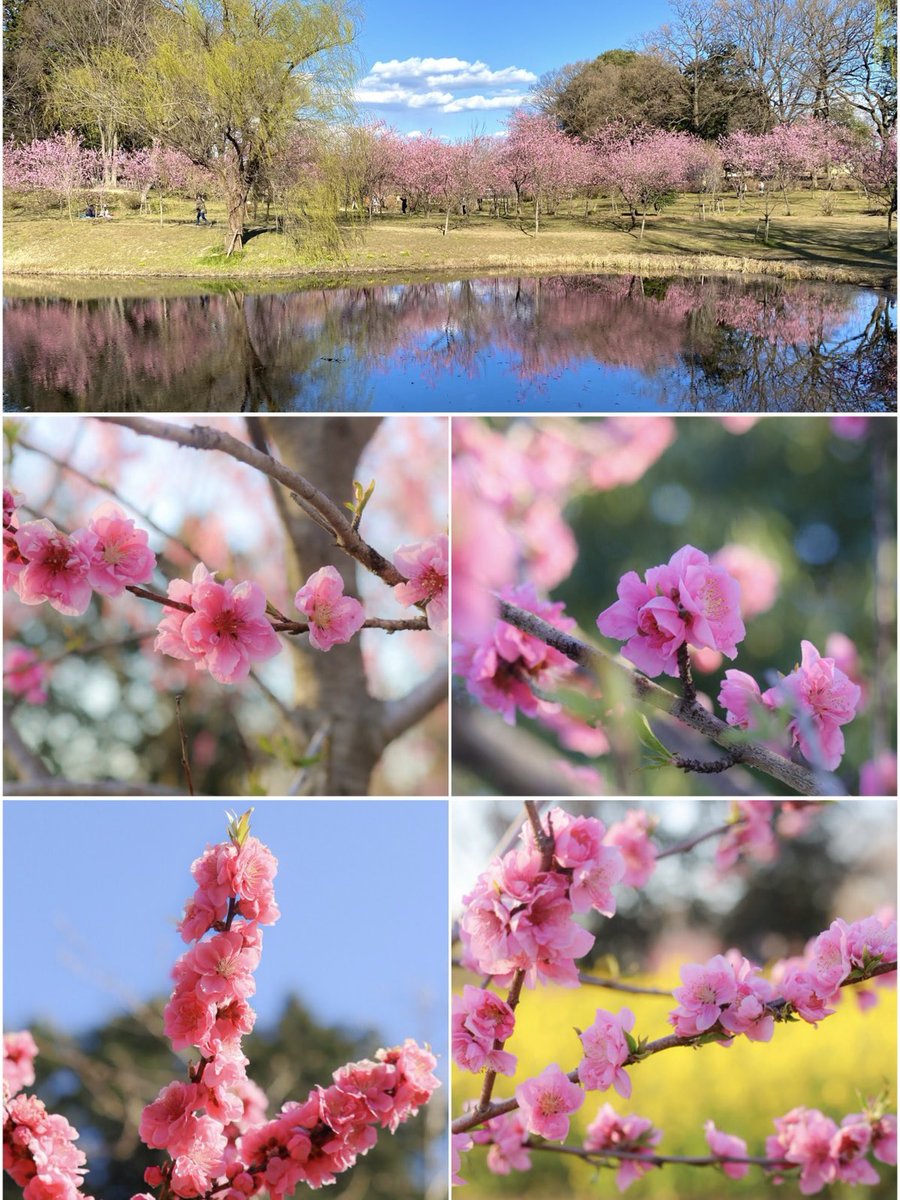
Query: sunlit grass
[849, 1056]
[851, 245]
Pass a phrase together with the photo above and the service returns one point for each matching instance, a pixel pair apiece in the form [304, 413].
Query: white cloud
[467, 103]
[443, 83]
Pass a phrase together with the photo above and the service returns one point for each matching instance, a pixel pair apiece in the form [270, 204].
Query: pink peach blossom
[119, 554]
[821, 698]
[633, 1134]
[605, 1052]
[228, 630]
[631, 837]
[546, 1102]
[25, 675]
[706, 991]
[56, 569]
[427, 568]
[19, 1053]
[727, 1145]
[333, 617]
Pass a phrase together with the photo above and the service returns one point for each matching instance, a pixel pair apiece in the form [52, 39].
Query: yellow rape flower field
[849, 1056]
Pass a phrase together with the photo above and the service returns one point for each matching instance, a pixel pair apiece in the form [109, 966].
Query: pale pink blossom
[809, 997]
[829, 958]
[748, 1012]
[706, 990]
[741, 698]
[605, 1052]
[547, 1101]
[169, 637]
[478, 1018]
[821, 699]
[505, 1136]
[459, 1144]
[427, 568]
[631, 837]
[804, 1138]
[118, 550]
[56, 568]
[25, 675]
[758, 576]
[333, 617]
[750, 835]
[849, 1146]
[878, 776]
[727, 1145]
[632, 1134]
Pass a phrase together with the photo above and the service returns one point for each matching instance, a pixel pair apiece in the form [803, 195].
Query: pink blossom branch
[779, 1008]
[290, 627]
[334, 519]
[798, 778]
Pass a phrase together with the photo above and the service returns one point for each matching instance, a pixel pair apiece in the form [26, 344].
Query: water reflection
[591, 342]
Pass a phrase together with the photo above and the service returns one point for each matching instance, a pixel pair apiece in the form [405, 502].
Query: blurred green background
[844, 865]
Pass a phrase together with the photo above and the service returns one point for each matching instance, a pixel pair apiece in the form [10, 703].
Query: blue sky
[93, 890]
[485, 55]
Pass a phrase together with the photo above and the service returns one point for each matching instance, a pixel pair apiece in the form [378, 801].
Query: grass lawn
[850, 246]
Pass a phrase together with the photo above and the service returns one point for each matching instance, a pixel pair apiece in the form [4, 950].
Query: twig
[691, 842]
[656, 1160]
[799, 779]
[100, 787]
[622, 985]
[205, 437]
[185, 760]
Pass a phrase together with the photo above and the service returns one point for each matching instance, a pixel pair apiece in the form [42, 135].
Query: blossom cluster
[480, 1018]
[503, 668]
[40, 563]
[826, 1152]
[39, 1151]
[214, 1126]
[519, 915]
[199, 1122]
[314, 1141]
[631, 1135]
[727, 995]
[812, 983]
[817, 694]
[687, 601]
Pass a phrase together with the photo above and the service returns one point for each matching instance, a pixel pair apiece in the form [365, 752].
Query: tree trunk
[237, 189]
[331, 687]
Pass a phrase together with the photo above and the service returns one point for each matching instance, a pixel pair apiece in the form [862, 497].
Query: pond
[603, 343]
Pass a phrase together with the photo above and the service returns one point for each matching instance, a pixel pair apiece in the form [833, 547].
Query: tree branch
[799, 779]
[596, 1157]
[205, 437]
[28, 765]
[101, 787]
[401, 714]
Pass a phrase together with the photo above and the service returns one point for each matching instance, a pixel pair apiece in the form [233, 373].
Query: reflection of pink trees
[258, 352]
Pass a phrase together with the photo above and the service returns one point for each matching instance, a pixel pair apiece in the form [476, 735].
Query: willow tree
[228, 81]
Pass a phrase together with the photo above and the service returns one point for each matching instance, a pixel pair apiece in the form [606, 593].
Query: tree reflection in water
[595, 342]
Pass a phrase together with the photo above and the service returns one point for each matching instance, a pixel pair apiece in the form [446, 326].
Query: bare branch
[27, 764]
[597, 1157]
[205, 437]
[401, 714]
[100, 787]
[799, 779]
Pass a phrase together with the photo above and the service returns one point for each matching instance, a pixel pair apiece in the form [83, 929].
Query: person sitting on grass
[105, 214]
[89, 213]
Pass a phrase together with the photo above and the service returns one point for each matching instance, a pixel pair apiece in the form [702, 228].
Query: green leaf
[648, 738]
[239, 826]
